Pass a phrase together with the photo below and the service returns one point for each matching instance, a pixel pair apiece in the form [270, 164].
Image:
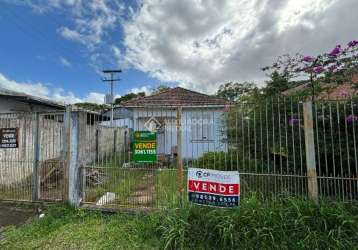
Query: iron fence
[278, 146]
[264, 141]
[33, 170]
[336, 149]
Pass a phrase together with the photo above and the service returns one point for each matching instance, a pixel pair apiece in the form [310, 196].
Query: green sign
[144, 147]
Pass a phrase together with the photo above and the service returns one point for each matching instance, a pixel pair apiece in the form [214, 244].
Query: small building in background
[202, 121]
[17, 102]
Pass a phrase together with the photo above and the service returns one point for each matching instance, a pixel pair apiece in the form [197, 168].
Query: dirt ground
[10, 215]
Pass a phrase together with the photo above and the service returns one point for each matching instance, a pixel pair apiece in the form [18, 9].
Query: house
[328, 91]
[17, 102]
[201, 118]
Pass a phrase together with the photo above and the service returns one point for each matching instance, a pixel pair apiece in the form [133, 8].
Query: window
[202, 126]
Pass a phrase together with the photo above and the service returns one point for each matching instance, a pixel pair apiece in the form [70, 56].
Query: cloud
[88, 22]
[94, 97]
[70, 34]
[200, 44]
[146, 89]
[64, 62]
[40, 89]
[91, 20]
[47, 92]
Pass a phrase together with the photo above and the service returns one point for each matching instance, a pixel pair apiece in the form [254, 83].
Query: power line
[112, 81]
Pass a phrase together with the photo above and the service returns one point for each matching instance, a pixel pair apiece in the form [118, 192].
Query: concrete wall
[99, 141]
[16, 164]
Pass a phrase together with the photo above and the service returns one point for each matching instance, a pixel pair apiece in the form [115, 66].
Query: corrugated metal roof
[29, 98]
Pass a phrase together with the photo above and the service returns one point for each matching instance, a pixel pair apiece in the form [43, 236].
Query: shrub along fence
[292, 146]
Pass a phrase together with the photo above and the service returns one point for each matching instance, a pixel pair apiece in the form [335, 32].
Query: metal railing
[34, 169]
[336, 128]
[278, 146]
[266, 142]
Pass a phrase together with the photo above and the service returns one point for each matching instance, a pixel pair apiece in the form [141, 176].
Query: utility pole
[112, 80]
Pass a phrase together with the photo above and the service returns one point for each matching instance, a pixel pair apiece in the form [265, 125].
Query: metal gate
[279, 146]
[32, 168]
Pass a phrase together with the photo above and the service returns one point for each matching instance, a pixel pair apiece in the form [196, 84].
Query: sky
[56, 49]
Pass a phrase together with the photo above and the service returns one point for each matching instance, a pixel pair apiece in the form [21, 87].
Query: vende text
[214, 188]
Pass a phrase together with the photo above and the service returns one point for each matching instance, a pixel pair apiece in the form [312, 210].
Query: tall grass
[282, 223]
[289, 223]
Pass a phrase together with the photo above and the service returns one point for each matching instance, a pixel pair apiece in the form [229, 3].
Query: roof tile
[176, 97]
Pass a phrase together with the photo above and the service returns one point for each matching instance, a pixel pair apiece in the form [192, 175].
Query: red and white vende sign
[213, 187]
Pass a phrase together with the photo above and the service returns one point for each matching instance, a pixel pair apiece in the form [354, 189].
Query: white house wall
[191, 149]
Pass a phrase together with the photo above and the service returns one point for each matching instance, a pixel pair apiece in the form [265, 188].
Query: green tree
[128, 97]
[160, 89]
[235, 91]
[276, 85]
[91, 106]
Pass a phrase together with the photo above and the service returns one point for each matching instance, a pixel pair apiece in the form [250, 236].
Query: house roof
[330, 91]
[175, 97]
[22, 97]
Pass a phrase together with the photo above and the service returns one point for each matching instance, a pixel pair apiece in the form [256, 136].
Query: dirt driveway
[10, 215]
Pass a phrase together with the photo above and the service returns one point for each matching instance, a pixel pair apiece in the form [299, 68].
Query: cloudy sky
[57, 48]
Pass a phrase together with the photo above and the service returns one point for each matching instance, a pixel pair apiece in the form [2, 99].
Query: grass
[17, 191]
[120, 181]
[66, 228]
[284, 223]
[166, 189]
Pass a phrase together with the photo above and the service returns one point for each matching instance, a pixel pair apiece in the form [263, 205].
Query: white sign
[152, 125]
[214, 187]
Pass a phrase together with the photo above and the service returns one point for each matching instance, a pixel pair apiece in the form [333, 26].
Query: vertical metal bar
[274, 146]
[179, 153]
[333, 148]
[35, 166]
[348, 152]
[310, 151]
[286, 147]
[340, 190]
[66, 149]
[319, 173]
[115, 141]
[300, 144]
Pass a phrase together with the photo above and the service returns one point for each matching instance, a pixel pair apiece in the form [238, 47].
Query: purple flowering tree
[337, 66]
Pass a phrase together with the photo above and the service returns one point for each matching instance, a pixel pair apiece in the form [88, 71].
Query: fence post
[115, 132]
[36, 159]
[66, 148]
[74, 166]
[179, 153]
[97, 144]
[310, 151]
